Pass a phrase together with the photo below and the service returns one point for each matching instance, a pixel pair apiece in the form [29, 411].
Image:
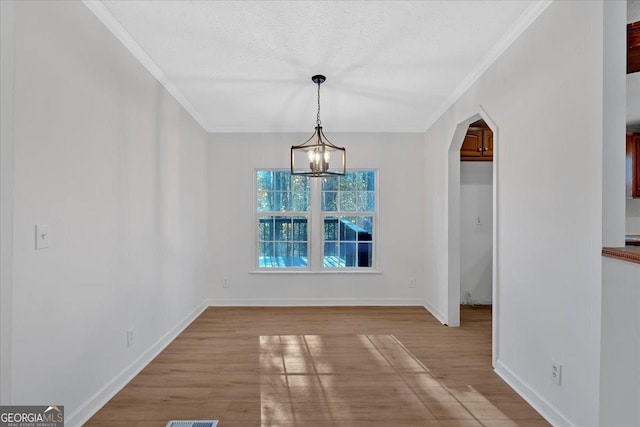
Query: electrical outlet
[556, 372]
[412, 283]
[225, 283]
[130, 336]
[478, 221]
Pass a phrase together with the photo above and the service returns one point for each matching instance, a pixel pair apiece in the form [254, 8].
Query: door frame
[453, 226]
[7, 26]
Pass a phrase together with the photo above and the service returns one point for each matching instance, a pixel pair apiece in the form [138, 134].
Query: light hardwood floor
[323, 366]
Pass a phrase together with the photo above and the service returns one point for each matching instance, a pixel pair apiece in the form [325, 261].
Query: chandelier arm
[326, 140]
[307, 141]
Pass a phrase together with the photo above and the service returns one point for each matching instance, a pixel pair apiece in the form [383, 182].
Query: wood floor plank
[311, 366]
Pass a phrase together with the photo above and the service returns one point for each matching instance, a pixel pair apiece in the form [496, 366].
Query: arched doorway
[454, 224]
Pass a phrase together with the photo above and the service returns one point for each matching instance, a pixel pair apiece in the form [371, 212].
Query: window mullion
[316, 224]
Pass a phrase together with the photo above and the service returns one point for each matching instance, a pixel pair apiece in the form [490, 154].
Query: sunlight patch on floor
[337, 378]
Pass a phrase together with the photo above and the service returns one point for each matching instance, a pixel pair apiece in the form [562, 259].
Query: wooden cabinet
[632, 169]
[477, 145]
[488, 143]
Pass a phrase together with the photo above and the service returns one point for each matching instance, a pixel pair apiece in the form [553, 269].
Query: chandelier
[317, 156]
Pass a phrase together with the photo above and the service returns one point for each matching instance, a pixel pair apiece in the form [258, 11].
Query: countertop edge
[625, 254]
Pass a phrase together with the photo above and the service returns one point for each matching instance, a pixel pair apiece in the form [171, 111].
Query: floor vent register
[192, 423]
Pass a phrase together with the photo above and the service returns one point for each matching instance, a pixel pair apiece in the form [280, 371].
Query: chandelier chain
[318, 121]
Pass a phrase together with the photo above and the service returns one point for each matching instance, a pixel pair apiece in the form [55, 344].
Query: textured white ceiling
[246, 66]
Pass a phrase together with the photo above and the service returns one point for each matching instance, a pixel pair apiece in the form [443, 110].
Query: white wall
[545, 94]
[117, 169]
[476, 200]
[7, 14]
[398, 157]
[614, 68]
[620, 363]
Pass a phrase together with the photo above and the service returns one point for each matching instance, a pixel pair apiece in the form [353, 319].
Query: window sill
[315, 272]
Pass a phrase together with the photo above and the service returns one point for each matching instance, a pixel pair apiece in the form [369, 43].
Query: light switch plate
[42, 236]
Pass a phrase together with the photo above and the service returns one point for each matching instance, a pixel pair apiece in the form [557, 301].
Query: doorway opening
[476, 214]
[472, 220]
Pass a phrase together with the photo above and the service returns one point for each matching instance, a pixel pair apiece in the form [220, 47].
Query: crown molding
[105, 16]
[518, 27]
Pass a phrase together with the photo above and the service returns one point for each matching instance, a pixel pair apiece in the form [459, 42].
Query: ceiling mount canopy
[317, 156]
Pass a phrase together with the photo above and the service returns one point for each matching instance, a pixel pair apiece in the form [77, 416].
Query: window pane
[331, 249]
[348, 201]
[281, 201]
[330, 201]
[300, 201]
[282, 228]
[361, 182]
[348, 182]
[348, 229]
[331, 228]
[300, 183]
[265, 254]
[348, 254]
[366, 201]
[300, 251]
[366, 223]
[283, 254]
[281, 180]
[299, 229]
[266, 248]
[330, 184]
[366, 180]
[332, 255]
[365, 254]
[264, 180]
[265, 228]
[264, 201]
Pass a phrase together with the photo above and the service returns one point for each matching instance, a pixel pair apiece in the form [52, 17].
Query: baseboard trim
[98, 400]
[312, 302]
[540, 404]
[435, 312]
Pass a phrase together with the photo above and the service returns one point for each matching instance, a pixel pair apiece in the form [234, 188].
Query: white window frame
[291, 214]
[339, 213]
[315, 233]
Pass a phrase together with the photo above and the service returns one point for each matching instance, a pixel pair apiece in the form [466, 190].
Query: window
[283, 217]
[315, 224]
[348, 208]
